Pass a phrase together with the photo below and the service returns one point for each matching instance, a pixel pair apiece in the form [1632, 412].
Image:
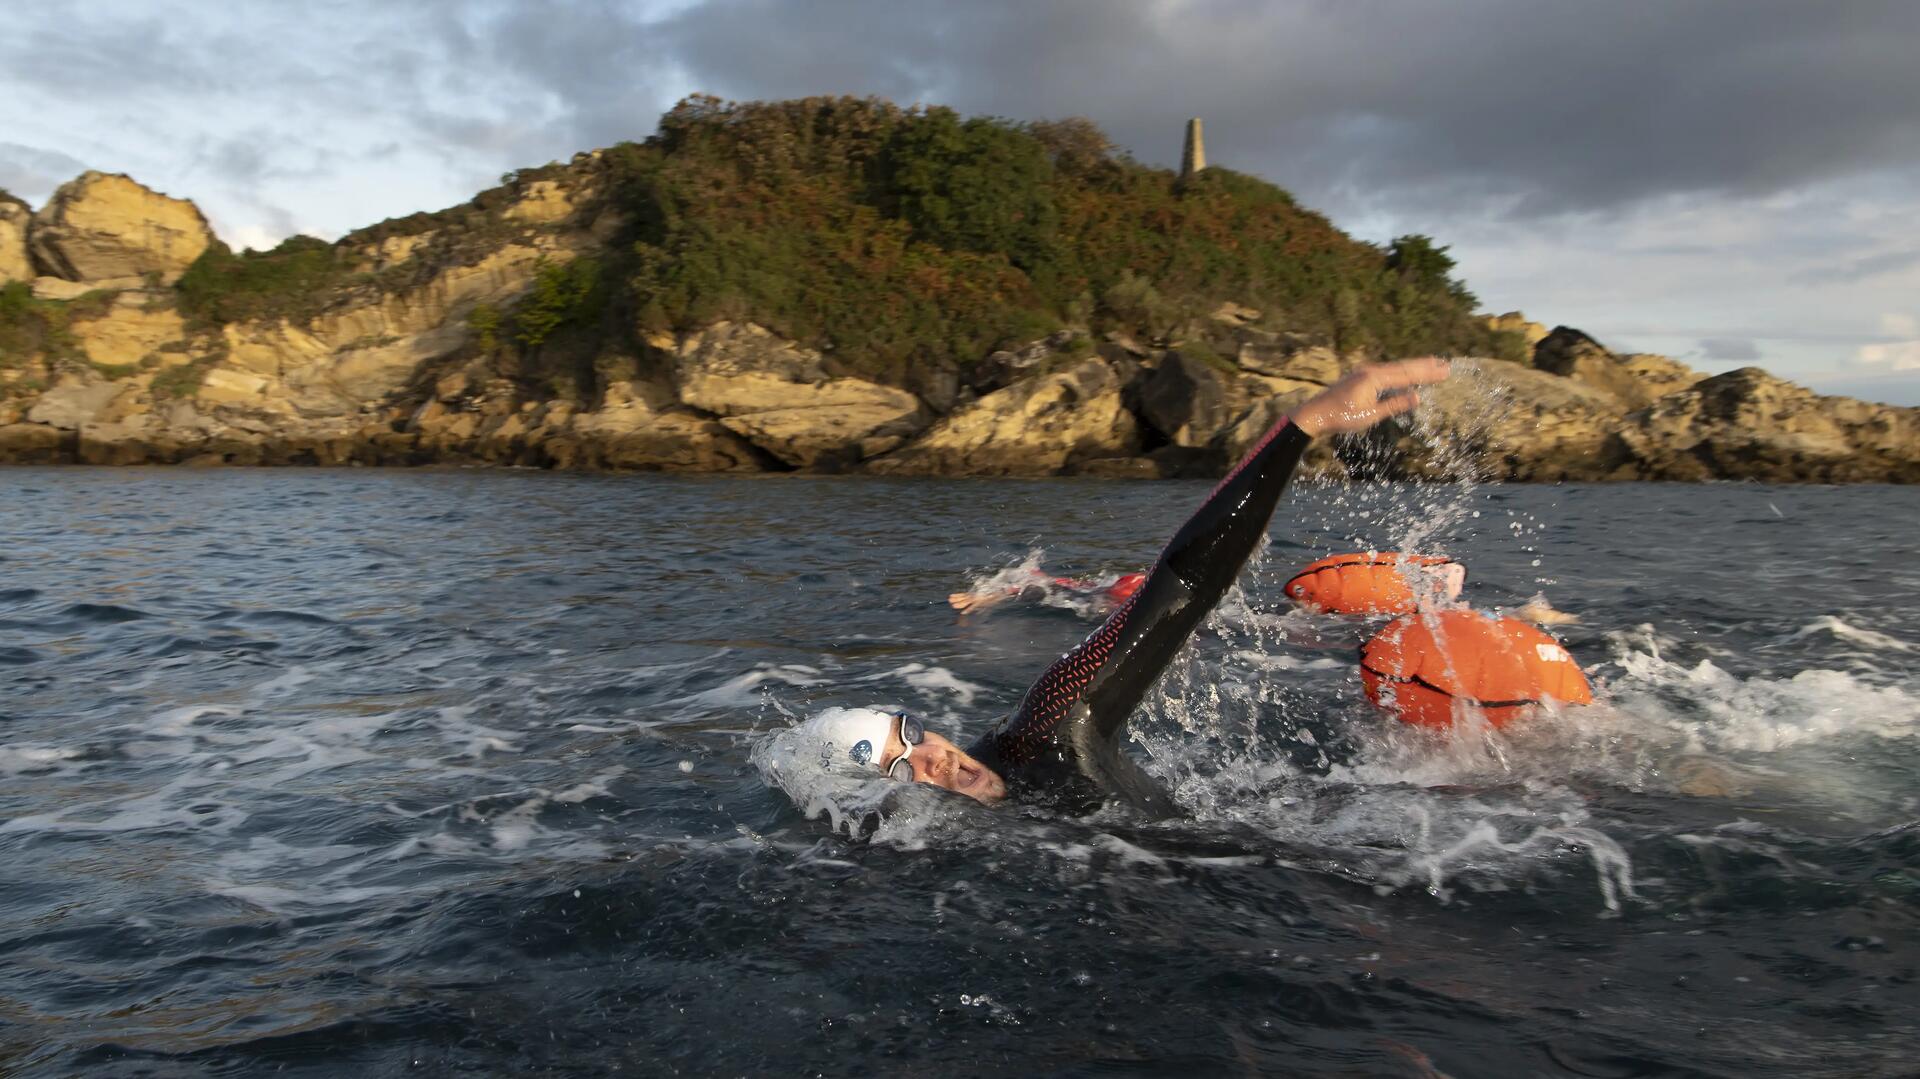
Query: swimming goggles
[911, 734]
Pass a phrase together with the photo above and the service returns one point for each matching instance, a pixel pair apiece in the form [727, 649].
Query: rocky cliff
[385, 350]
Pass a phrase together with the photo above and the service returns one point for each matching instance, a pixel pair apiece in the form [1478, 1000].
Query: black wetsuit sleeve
[1063, 740]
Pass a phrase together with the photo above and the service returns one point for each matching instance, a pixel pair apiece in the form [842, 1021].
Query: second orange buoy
[1380, 582]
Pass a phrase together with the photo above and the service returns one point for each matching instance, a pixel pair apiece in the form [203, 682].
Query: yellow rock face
[226, 386]
[14, 264]
[544, 202]
[1035, 427]
[129, 331]
[103, 227]
[1515, 322]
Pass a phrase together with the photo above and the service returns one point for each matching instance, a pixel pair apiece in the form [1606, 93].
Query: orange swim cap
[1417, 667]
[1383, 582]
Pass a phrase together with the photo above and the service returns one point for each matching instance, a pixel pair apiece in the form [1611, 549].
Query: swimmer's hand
[975, 601]
[1368, 394]
[1541, 613]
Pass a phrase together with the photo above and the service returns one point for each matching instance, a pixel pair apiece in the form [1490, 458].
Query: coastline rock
[1531, 333]
[59, 288]
[542, 202]
[1502, 421]
[1747, 424]
[628, 433]
[72, 401]
[389, 371]
[14, 218]
[35, 444]
[778, 396]
[1292, 356]
[133, 329]
[1186, 400]
[1234, 314]
[1040, 426]
[1003, 368]
[1637, 380]
[104, 227]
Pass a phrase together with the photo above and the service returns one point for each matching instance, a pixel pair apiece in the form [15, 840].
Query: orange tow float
[1420, 666]
[1383, 582]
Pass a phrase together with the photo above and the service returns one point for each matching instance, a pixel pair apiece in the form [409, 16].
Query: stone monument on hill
[1193, 157]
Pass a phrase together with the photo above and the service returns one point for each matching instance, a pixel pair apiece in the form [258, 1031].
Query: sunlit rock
[780, 397]
[14, 217]
[1036, 427]
[104, 227]
[1636, 379]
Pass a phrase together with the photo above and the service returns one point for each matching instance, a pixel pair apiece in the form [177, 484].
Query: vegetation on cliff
[32, 328]
[294, 280]
[896, 239]
[893, 237]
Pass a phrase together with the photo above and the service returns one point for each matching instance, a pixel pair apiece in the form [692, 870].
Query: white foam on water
[1833, 626]
[933, 682]
[1267, 661]
[746, 690]
[500, 830]
[20, 759]
[186, 803]
[1716, 711]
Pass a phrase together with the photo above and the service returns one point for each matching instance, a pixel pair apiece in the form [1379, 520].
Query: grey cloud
[259, 155]
[1729, 349]
[1504, 105]
[108, 58]
[1860, 269]
[605, 63]
[32, 173]
[1892, 389]
[1488, 109]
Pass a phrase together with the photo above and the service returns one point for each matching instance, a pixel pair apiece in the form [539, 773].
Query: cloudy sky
[1731, 182]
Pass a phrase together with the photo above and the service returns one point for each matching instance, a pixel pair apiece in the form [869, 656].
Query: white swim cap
[853, 736]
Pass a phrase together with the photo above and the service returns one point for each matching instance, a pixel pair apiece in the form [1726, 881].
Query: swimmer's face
[941, 763]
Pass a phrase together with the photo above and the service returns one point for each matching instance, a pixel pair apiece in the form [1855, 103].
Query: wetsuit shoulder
[1062, 743]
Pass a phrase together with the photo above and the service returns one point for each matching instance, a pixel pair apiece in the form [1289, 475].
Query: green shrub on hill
[294, 280]
[33, 328]
[891, 237]
[563, 294]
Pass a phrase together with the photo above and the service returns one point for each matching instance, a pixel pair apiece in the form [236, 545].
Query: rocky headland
[485, 334]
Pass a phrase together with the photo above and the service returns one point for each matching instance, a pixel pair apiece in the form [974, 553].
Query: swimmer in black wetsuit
[1063, 744]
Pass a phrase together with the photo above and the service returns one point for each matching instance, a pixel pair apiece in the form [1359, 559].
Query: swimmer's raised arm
[1066, 730]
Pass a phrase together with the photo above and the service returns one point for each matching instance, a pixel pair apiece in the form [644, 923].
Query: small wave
[102, 613]
[747, 690]
[22, 760]
[1832, 626]
[294, 618]
[932, 682]
[15, 656]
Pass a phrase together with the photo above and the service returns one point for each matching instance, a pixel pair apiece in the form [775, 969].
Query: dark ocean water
[390, 772]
